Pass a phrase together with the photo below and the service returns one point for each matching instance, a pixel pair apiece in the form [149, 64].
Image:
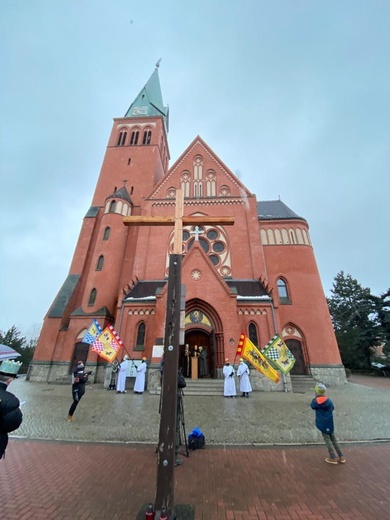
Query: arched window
[134, 137]
[92, 298]
[106, 234]
[185, 183]
[100, 262]
[140, 343]
[283, 291]
[253, 334]
[147, 137]
[112, 207]
[122, 138]
[210, 184]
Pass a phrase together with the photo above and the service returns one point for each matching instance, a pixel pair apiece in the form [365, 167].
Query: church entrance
[80, 353]
[295, 347]
[197, 345]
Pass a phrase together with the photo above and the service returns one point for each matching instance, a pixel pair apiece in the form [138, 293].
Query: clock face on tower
[140, 111]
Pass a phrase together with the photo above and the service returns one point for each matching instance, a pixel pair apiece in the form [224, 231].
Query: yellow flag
[107, 344]
[247, 350]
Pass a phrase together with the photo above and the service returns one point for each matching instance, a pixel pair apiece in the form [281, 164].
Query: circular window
[218, 247]
[212, 234]
[186, 235]
[214, 259]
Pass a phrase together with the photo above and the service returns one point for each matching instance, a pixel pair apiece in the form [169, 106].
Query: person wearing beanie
[139, 385]
[324, 407]
[80, 377]
[229, 387]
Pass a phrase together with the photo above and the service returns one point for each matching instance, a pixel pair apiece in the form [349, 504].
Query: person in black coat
[11, 416]
[80, 377]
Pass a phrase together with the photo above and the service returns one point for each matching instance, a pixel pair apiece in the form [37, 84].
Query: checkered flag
[279, 354]
[92, 333]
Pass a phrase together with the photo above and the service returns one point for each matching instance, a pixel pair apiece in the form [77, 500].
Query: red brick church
[258, 276]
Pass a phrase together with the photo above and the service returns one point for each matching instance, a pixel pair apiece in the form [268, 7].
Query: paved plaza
[264, 459]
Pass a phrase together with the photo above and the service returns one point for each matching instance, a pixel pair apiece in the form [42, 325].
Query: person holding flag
[139, 385]
[80, 377]
[251, 353]
[229, 387]
[243, 374]
[122, 373]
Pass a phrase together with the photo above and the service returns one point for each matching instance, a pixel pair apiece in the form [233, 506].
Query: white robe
[243, 373]
[122, 370]
[139, 385]
[229, 387]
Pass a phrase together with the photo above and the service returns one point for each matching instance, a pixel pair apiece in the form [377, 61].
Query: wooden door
[295, 347]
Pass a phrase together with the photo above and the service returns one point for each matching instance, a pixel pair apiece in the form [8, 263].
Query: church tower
[259, 276]
[136, 158]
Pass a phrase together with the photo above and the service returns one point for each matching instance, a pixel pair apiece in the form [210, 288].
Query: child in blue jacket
[324, 422]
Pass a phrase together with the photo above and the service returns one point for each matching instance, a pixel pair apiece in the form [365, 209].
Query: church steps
[203, 387]
[302, 384]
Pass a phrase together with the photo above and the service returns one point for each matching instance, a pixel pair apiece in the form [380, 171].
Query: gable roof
[198, 146]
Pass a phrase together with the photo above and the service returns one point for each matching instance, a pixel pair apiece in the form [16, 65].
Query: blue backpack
[196, 440]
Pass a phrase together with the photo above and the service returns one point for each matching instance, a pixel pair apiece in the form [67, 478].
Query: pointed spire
[149, 101]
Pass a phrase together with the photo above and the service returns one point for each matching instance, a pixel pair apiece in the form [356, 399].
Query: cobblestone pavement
[361, 414]
[108, 470]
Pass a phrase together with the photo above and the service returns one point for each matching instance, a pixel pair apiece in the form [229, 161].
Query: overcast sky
[293, 96]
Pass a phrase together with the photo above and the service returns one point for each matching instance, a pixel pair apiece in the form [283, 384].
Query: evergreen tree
[13, 338]
[355, 320]
[383, 310]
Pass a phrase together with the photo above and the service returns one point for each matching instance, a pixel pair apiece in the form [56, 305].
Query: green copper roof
[149, 101]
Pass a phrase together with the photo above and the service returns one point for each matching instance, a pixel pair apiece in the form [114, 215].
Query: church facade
[258, 276]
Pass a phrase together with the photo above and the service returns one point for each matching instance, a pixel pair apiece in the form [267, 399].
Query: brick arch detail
[292, 331]
[216, 322]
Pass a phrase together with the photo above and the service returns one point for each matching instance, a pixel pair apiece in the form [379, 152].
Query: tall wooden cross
[167, 433]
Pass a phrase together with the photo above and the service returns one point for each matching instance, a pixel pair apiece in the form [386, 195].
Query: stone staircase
[203, 387]
[302, 384]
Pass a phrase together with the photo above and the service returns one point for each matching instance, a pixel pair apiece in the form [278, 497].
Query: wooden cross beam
[168, 417]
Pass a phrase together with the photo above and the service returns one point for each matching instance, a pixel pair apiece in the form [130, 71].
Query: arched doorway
[80, 353]
[295, 347]
[200, 341]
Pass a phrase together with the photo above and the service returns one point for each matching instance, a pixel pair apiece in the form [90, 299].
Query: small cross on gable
[197, 231]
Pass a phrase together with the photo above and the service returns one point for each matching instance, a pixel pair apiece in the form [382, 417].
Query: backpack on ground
[196, 440]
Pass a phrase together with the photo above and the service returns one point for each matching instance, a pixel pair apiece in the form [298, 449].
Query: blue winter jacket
[324, 413]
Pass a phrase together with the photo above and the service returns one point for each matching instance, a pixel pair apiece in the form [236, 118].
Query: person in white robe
[229, 387]
[139, 385]
[243, 374]
[122, 371]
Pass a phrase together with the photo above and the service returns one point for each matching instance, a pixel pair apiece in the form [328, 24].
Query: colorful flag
[92, 333]
[107, 344]
[247, 350]
[279, 354]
